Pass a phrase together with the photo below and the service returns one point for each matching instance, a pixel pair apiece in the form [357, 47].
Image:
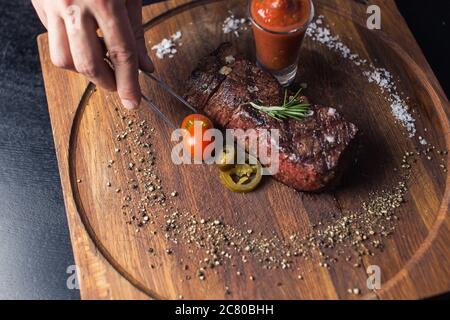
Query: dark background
[35, 249]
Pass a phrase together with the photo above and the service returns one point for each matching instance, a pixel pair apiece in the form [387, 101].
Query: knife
[169, 90]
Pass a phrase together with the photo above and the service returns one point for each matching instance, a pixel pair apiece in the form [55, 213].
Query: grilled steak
[313, 152]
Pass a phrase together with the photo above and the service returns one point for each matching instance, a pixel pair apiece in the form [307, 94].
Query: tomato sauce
[279, 27]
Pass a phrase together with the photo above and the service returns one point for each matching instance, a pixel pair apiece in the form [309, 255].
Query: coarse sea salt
[321, 33]
[331, 112]
[167, 47]
[330, 139]
[233, 24]
[423, 141]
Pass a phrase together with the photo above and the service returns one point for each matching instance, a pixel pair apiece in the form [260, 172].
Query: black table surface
[35, 249]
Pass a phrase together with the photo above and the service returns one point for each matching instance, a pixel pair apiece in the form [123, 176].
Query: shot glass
[278, 47]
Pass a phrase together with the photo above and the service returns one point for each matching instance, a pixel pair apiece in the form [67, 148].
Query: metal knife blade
[159, 112]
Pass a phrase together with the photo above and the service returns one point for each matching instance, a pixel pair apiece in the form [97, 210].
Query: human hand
[74, 44]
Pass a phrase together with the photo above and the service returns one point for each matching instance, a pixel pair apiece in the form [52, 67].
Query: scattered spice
[363, 231]
[355, 291]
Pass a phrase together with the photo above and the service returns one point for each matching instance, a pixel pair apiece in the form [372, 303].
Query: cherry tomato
[196, 125]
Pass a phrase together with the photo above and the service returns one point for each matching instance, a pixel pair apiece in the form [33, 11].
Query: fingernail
[129, 104]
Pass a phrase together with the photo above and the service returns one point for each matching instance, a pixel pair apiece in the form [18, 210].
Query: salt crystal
[423, 141]
[331, 112]
[330, 139]
[379, 76]
[176, 36]
[167, 46]
[233, 25]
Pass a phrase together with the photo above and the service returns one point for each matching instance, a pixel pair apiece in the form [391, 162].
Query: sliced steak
[313, 152]
[245, 83]
[207, 77]
[321, 148]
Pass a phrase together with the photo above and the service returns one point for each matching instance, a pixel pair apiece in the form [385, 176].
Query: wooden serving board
[114, 260]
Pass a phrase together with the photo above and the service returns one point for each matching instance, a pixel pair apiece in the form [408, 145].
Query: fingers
[74, 44]
[40, 12]
[57, 37]
[113, 20]
[86, 50]
[58, 43]
[135, 15]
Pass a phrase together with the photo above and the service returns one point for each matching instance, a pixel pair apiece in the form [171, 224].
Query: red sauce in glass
[279, 49]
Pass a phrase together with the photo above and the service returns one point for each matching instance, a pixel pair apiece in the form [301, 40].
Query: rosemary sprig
[292, 108]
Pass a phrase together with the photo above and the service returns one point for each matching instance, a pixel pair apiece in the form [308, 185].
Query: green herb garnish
[292, 108]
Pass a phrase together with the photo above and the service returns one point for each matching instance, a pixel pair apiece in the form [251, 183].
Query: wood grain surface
[114, 259]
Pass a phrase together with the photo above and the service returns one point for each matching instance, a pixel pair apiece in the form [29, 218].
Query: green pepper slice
[242, 178]
[227, 158]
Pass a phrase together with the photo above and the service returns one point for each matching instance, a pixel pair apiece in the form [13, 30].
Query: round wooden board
[273, 208]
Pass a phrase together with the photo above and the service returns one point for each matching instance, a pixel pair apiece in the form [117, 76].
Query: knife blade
[151, 104]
